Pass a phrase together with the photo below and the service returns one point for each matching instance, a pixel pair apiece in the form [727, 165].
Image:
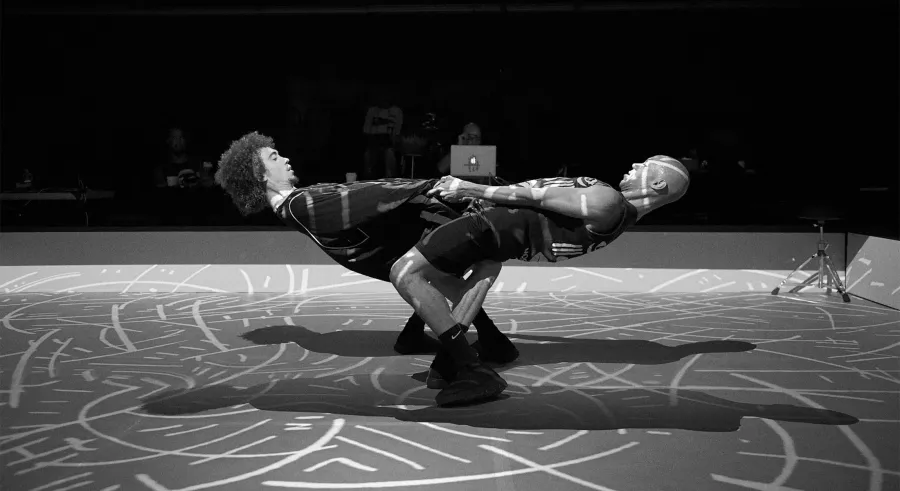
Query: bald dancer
[540, 220]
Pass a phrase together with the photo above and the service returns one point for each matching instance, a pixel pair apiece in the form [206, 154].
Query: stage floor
[625, 392]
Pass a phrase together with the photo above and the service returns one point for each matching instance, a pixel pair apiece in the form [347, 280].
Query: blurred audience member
[471, 135]
[180, 168]
[382, 129]
[693, 163]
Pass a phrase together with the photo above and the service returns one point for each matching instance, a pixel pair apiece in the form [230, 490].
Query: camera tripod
[826, 274]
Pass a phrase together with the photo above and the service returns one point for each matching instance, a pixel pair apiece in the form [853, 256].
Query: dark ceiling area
[351, 7]
[796, 73]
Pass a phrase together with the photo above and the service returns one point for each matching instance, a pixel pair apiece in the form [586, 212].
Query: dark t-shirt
[367, 225]
[538, 235]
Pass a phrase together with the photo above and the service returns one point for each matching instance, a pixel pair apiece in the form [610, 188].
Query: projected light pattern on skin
[223, 391]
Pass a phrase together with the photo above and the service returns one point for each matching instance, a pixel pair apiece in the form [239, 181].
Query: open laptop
[473, 161]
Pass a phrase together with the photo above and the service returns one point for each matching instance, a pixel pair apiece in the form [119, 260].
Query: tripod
[826, 273]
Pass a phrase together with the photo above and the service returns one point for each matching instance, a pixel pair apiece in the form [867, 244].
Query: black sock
[414, 327]
[487, 330]
[456, 344]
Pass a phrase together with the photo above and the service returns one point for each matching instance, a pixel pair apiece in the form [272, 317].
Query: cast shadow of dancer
[355, 343]
[524, 408]
[553, 349]
[365, 343]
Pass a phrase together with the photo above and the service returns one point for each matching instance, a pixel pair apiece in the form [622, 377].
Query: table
[78, 195]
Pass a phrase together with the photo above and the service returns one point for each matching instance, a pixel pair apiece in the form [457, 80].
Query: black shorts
[393, 236]
[493, 234]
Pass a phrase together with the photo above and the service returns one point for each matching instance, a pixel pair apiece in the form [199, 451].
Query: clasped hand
[450, 189]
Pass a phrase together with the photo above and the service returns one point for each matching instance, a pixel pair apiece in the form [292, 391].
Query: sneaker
[416, 345]
[435, 380]
[473, 383]
[500, 350]
[441, 372]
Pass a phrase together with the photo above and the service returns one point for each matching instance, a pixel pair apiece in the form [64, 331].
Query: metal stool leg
[807, 282]
[412, 159]
[786, 278]
[826, 276]
[838, 284]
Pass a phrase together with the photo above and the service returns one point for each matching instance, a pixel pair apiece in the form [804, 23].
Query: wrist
[471, 190]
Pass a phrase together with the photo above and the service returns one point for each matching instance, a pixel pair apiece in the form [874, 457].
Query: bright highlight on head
[655, 182]
[667, 177]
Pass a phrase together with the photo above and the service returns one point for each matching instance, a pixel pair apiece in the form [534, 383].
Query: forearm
[586, 203]
[505, 195]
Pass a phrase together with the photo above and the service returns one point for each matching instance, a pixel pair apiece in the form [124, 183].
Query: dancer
[369, 227]
[539, 220]
[365, 226]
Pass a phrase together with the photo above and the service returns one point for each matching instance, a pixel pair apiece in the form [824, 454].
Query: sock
[456, 344]
[414, 327]
[487, 330]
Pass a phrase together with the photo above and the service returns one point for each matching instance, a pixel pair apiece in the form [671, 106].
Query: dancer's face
[662, 178]
[637, 178]
[278, 168]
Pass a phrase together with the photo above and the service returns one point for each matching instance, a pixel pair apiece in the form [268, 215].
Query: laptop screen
[473, 160]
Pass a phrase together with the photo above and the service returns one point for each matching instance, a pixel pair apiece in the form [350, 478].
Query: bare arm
[595, 203]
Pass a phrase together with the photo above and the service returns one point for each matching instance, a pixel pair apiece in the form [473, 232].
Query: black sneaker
[473, 383]
[416, 344]
[435, 380]
[441, 372]
[499, 350]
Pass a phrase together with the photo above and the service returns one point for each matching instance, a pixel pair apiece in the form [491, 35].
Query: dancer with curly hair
[393, 229]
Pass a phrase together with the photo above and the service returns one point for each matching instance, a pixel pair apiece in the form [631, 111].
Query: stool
[412, 170]
[826, 272]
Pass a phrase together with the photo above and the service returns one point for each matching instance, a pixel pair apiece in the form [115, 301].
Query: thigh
[457, 245]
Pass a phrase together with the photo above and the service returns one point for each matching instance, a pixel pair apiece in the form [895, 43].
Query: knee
[403, 271]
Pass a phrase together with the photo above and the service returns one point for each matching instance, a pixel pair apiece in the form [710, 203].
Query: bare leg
[411, 277]
[475, 290]
[427, 289]
[416, 280]
[467, 296]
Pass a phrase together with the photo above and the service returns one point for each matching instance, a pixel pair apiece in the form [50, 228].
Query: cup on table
[351, 177]
[172, 181]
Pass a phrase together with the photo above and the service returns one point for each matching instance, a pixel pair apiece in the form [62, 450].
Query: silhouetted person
[382, 127]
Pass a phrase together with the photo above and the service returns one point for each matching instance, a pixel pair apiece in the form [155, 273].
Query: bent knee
[400, 270]
[412, 264]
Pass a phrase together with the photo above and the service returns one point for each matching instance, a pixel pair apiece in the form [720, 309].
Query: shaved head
[668, 176]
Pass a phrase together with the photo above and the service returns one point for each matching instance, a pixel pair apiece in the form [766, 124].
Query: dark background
[804, 92]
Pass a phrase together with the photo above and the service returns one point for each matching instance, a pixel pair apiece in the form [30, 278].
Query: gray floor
[612, 391]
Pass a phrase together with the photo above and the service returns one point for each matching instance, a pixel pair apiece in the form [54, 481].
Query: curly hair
[241, 172]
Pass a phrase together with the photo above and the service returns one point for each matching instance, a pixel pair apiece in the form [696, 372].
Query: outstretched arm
[594, 203]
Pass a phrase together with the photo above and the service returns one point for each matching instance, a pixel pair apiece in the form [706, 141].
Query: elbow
[606, 209]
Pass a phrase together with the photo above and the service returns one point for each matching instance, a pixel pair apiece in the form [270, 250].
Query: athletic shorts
[393, 236]
[492, 234]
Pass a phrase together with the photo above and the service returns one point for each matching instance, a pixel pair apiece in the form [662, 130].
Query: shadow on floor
[365, 343]
[531, 408]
